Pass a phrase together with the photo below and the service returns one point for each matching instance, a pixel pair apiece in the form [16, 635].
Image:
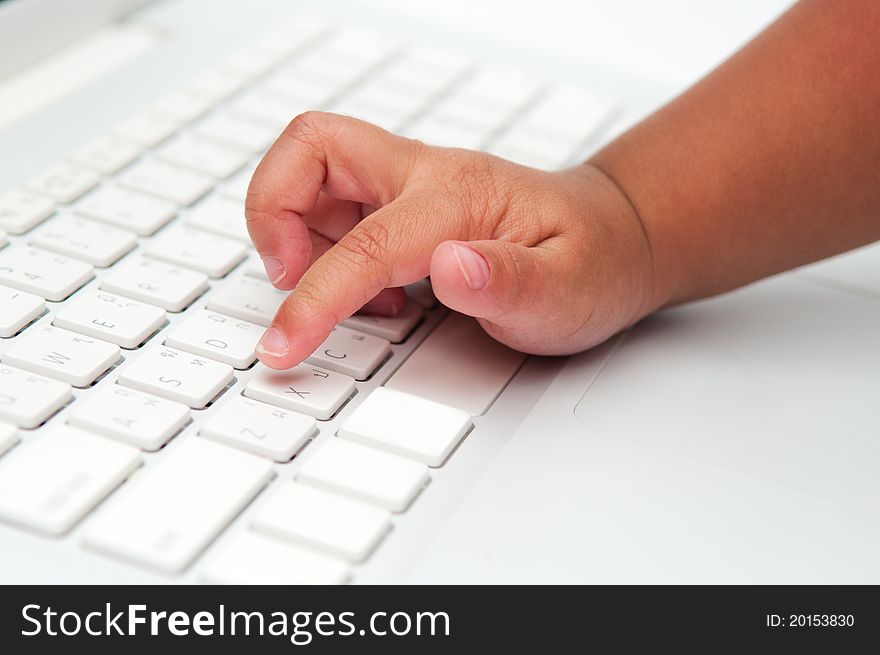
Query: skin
[770, 162]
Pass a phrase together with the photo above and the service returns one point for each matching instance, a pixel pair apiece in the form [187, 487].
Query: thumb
[513, 288]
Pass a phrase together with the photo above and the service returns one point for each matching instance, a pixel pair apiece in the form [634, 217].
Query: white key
[458, 365]
[26, 399]
[97, 243]
[251, 559]
[44, 273]
[255, 268]
[8, 436]
[223, 216]
[249, 299]
[392, 328]
[218, 82]
[236, 188]
[442, 132]
[525, 146]
[364, 473]
[168, 286]
[127, 209]
[203, 156]
[20, 211]
[569, 113]
[51, 482]
[130, 416]
[230, 131]
[250, 60]
[208, 253]
[303, 88]
[226, 339]
[64, 182]
[170, 182]
[108, 154]
[17, 309]
[407, 425]
[351, 353]
[266, 109]
[170, 513]
[323, 520]
[503, 87]
[62, 354]
[183, 105]
[147, 128]
[260, 429]
[177, 375]
[303, 388]
[111, 317]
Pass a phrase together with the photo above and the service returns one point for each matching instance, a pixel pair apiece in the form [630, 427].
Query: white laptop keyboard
[132, 410]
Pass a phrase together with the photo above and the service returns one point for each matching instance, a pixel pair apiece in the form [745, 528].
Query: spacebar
[458, 365]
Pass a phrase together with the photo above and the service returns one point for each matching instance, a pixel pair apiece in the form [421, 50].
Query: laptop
[734, 440]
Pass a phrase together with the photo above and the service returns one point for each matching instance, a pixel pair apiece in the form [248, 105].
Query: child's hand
[345, 213]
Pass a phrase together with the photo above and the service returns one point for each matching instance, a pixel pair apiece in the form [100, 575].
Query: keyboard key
[110, 317]
[421, 293]
[64, 182]
[165, 517]
[501, 87]
[130, 416]
[363, 473]
[226, 339]
[203, 156]
[220, 215]
[17, 309]
[568, 113]
[202, 251]
[248, 298]
[260, 429]
[183, 105]
[44, 273]
[458, 365]
[170, 182]
[237, 186]
[271, 111]
[168, 286]
[97, 243]
[51, 482]
[233, 132]
[524, 146]
[407, 425]
[391, 328]
[440, 131]
[20, 211]
[323, 520]
[176, 375]
[303, 388]
[26, 400]
[252, 559]
[147, 128]
[8, 436]
[62, 354]
[351, 353]
[127, 209]
[108, 154]
[218, 82]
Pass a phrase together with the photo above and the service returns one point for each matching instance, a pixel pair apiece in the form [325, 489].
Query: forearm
[770, 162]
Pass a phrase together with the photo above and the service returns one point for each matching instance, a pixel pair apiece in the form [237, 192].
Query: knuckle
[472, 181]
[368, 242]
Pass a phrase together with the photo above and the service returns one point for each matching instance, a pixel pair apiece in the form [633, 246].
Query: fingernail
[472, 266]
[273, 343]
[274, 268]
